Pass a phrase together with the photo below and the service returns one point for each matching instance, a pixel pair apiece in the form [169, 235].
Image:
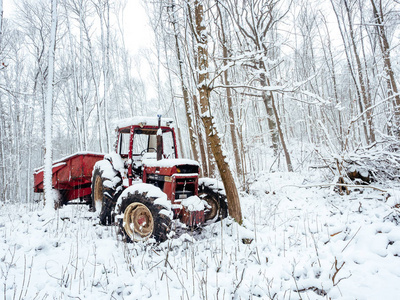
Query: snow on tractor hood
[169, 163]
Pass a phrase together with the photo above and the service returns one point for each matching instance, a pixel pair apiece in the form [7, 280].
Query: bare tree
[357, 73]
[254, 20]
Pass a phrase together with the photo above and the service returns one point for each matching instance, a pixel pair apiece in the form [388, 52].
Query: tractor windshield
[145, 141]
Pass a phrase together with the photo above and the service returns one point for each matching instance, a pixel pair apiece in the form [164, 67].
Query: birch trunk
[82, 129]
[96, 87]
[104, 25]
[48, 158]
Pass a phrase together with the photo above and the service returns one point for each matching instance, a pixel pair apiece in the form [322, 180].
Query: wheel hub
[138, 220]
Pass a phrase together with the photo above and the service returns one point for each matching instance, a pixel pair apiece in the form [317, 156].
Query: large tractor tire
[142, 218]
[213, 193]
[106, 187]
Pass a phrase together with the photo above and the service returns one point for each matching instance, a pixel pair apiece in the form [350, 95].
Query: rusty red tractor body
[143, 185]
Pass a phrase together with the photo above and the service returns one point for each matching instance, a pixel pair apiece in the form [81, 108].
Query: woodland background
[293, 84]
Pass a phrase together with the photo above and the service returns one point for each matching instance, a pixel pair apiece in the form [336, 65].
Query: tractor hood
[169, 163]
[170, 166]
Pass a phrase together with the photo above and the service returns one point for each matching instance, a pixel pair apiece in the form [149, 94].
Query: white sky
[139, 36]
[8, 6]
[138, 33]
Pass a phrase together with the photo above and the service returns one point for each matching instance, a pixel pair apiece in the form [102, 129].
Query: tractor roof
[143, 121]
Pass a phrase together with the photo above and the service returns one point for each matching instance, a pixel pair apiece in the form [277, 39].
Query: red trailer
[72, 176]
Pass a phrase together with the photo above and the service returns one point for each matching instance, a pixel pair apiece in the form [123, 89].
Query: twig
[29, 279]
[315, 247]
[295, 282]
[351, 239]
[336, 271]
[23, 281]
[240, 282]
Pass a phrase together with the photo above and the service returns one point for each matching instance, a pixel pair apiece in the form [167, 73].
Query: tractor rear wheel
[142, 218]
[106, 186]
[215, 197]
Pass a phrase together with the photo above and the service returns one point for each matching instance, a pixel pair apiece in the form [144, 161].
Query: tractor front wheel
[142, 218]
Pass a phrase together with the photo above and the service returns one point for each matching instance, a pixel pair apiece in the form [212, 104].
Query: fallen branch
[335, 184]
[320, 292]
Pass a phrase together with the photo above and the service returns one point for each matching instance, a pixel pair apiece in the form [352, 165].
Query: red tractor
[143, 185]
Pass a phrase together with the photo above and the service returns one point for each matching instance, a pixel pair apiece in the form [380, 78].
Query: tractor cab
[137, 142]
[138, 136]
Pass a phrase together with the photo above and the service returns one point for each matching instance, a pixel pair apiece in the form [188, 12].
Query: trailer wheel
[106, 186]
[60, 198]
[142, 219]
[217, 205]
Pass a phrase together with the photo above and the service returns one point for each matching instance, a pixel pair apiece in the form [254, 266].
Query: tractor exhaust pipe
[159, 139]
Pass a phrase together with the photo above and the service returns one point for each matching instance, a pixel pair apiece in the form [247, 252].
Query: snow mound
[150, 191]
[193, 203]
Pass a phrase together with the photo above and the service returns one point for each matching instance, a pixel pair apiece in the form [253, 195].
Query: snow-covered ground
[307, 243]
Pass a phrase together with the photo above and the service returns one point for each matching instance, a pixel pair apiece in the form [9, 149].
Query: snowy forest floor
[308, 243]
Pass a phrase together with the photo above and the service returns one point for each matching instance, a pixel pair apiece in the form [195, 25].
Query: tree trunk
[204, 92]
[232, 123]
[271, 122]
[279, 129]
[185, 93]
[82, 130]
[96, 88]
[385, 48]
[181, 152]
[47, 177]
[103, 11]
[204, 171]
